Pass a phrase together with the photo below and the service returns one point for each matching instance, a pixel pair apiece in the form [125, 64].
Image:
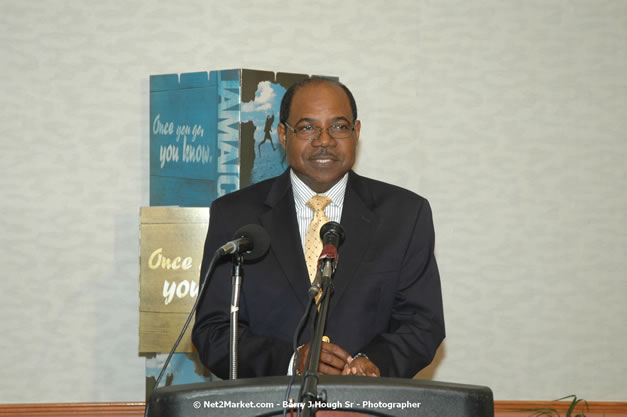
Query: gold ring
[326, 339]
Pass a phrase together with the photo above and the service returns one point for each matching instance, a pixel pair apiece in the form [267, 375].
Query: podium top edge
[325, 380]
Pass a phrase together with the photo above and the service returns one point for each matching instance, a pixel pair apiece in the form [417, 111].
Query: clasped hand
[336, 361]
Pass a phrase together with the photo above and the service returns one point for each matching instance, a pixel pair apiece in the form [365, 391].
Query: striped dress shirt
[304, 214]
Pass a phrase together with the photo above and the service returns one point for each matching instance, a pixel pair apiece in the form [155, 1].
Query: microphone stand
[236, 283]
[309, 391]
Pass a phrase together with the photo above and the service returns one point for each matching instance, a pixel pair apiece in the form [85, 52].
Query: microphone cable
[299, 329]
[216, 256]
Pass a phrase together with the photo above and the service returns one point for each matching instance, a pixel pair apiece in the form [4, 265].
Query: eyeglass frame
[320, 129]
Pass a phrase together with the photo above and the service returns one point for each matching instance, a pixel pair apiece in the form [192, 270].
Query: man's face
[322, 162]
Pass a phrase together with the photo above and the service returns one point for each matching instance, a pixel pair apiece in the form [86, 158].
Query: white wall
[511, 117]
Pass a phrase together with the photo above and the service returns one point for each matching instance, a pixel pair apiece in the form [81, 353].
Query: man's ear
[282, 135]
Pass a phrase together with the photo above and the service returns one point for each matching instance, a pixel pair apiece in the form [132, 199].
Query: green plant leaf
[574, 403]
[552, 412]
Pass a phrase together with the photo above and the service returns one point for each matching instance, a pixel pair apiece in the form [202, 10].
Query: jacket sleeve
[416, 327]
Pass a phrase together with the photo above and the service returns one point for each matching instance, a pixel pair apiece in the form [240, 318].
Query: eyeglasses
[337, 130]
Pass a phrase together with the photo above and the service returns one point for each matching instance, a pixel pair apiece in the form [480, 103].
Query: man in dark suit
[385, 315]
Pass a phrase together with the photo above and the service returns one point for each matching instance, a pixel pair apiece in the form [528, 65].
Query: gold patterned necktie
[313, 243]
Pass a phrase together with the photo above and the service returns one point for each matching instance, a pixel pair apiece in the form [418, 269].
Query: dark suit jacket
[387, 302]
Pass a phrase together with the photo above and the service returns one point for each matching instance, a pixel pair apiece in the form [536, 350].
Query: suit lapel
[359, 223]
[280, 222]
[358, 220]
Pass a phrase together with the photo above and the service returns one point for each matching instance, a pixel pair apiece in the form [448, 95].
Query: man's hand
[333, 359]
[336, 361]
[361, 366]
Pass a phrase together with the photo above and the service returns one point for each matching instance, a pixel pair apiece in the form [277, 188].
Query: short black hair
[286, 101]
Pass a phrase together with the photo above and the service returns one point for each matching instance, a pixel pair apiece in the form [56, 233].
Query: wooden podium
[345, 396]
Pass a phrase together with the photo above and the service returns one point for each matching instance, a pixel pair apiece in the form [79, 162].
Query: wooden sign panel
[171, 244]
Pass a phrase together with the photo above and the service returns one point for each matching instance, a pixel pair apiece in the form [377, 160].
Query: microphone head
[259, 239]
[332, 233]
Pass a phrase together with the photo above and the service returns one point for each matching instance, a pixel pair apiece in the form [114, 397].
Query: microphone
[332, 235]
[251, 241]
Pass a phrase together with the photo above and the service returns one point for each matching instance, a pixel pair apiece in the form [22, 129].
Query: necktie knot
[318, 202]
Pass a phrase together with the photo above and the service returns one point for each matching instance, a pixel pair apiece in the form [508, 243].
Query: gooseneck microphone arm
[332, 235]
[309, 390]
[251, 242]
[236, 283]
